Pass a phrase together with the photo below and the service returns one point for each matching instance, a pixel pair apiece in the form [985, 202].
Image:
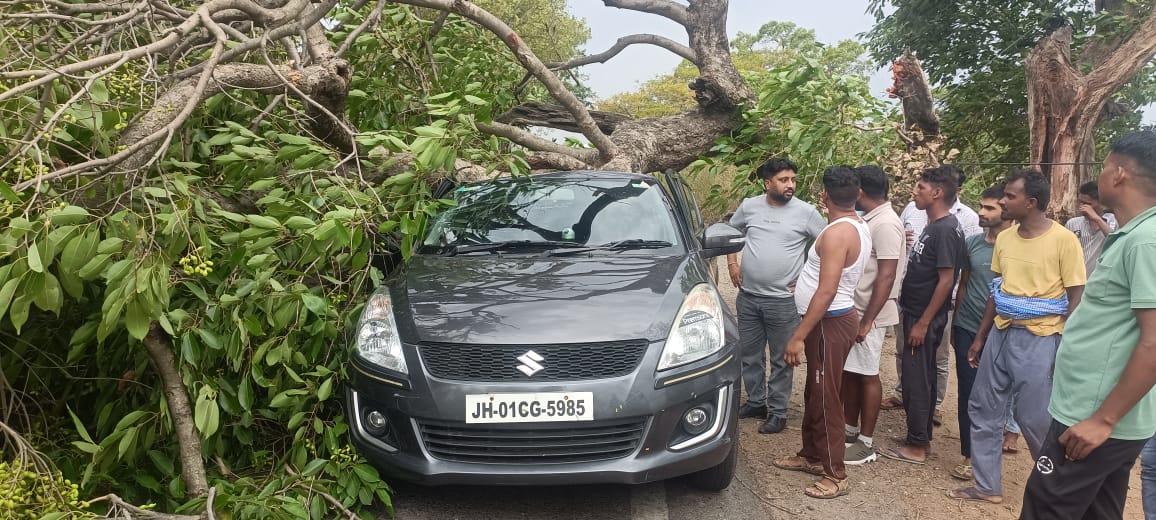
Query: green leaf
[49, 297]
[95, 267]
[286, 398]
[325, 390]
[127, 442]
[69, 215]
[34, 262]
[314, 467]
[314, 303]
[475, 100]
[136, 319]
[207, 415]
[6, 293]
[80, 427]
[245, 393]
[298, 222]
[109, 245]
[294, 139]
[7, 193]
[55, 516]
[162, 462]
[263, 222]
[18, 313]
[366, 473]
[209, 338]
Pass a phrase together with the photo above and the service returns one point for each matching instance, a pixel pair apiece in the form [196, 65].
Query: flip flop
[841, 488]
[891, 403]
[895, 454]
[961, 472]
[970, 494]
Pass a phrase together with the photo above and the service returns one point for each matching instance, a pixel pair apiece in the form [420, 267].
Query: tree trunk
[1065, 105]
[160, 350]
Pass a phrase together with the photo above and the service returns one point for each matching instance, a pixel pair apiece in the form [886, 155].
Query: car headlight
[377, 339]
[697, 331]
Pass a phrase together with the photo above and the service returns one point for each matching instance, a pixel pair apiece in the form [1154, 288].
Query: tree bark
[910, 86]
[555, 116]
[160, 350]
[1065, 105]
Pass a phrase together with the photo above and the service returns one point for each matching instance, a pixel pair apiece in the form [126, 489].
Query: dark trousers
[827, 347]
[1091, 489]
[965, 375]
[919, 378]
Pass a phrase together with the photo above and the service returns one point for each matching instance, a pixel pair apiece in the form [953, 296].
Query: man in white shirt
[914, 220]
[1093, 224]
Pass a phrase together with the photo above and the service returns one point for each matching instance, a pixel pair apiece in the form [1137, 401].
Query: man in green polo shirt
[1102, 406]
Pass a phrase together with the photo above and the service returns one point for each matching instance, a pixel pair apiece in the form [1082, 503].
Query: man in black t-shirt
[933, 266]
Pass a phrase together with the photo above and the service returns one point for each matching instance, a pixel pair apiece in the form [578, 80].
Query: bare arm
[880, 292]
[938, 300]
[964, 277]
[734, 270]
[981, 335]
[1138, 378]
[1075, 295]
[833, 246]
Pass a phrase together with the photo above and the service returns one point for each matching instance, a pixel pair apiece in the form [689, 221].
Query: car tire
[719, 477]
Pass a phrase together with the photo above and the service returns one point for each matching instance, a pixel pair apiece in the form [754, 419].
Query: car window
[581, 211]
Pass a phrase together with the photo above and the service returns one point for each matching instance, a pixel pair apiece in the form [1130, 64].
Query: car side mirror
[722, 239]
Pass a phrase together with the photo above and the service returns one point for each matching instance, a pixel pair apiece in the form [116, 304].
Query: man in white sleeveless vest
[825, 296]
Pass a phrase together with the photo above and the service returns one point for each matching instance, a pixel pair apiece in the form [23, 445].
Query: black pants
[919, 378]
[1091, 489]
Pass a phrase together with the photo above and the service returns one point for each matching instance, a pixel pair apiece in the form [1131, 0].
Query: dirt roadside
[882, 490]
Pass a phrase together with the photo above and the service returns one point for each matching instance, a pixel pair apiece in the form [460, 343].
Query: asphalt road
[672, 499]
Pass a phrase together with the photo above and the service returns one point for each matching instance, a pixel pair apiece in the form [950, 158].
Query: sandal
[818, 490]
[797, 463]
[891, 403]
[895, 454]
[970, 494]
[961, 472]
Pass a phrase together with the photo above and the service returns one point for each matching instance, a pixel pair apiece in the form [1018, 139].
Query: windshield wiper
[620, 245]
[507, 244]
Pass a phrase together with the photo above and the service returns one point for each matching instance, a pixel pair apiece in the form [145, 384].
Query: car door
[690, 213]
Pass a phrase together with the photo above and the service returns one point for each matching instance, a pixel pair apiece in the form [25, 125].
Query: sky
[832, 21]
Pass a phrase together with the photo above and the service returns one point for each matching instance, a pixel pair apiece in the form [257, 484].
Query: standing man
[932, 268]
[1093, 224]
[875, 301]
[826, 298]
[1039, 280]
[914, 220]
[1102, 408]
[970, 302]
[778, 227]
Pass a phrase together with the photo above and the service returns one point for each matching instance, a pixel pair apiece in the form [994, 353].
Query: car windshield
[554, 213]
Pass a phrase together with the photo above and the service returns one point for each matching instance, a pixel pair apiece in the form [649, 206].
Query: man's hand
[974, 352]
[794, 355]
[864, 329]
[1089, 212]
[909, 234]
[917, 335]
[736, 273]
[1082, 439]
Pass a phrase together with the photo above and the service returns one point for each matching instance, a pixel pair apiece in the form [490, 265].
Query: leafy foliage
[249, 244]
[804, 112]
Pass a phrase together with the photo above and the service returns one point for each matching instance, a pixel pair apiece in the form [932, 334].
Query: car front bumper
[427, 439]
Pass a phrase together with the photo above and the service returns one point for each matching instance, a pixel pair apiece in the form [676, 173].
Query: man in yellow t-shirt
[1039, 266]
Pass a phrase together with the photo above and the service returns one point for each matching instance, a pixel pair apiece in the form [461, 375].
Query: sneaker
[750, 410]
[858, 454]
[849, 439]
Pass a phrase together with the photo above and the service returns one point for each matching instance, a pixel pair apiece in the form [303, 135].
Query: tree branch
[526, 57]
[533, 142]
[1131, 56]
[370, 21]
[553, 116]
[664, 8]
[624, 42]
[160, 350]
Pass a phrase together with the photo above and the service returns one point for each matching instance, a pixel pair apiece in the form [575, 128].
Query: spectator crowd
[1052, 326]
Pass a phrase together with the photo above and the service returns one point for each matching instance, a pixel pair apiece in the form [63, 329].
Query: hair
[773, 166]
[960, 176]
[1091, 189]
[946, 178]
[873, 181]
[842, 185]
[1036, 186]
[994, 192]
[1141, 147]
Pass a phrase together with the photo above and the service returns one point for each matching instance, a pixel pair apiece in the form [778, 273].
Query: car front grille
[531, 444]
[565, 362]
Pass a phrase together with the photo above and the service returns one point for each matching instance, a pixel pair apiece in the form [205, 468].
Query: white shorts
[864, 357]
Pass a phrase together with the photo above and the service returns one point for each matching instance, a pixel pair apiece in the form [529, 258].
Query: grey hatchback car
[556, 329]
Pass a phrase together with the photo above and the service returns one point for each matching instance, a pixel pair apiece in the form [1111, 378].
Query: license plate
[525, 408]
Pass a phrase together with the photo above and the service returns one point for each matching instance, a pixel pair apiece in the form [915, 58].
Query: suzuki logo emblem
[530, 363]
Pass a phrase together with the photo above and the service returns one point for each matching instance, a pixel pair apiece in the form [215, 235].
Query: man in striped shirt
[1092, 225]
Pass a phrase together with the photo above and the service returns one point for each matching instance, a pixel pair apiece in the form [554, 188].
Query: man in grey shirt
[778, 228]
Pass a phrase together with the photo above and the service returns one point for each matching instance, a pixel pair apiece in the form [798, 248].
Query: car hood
[513, 300]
